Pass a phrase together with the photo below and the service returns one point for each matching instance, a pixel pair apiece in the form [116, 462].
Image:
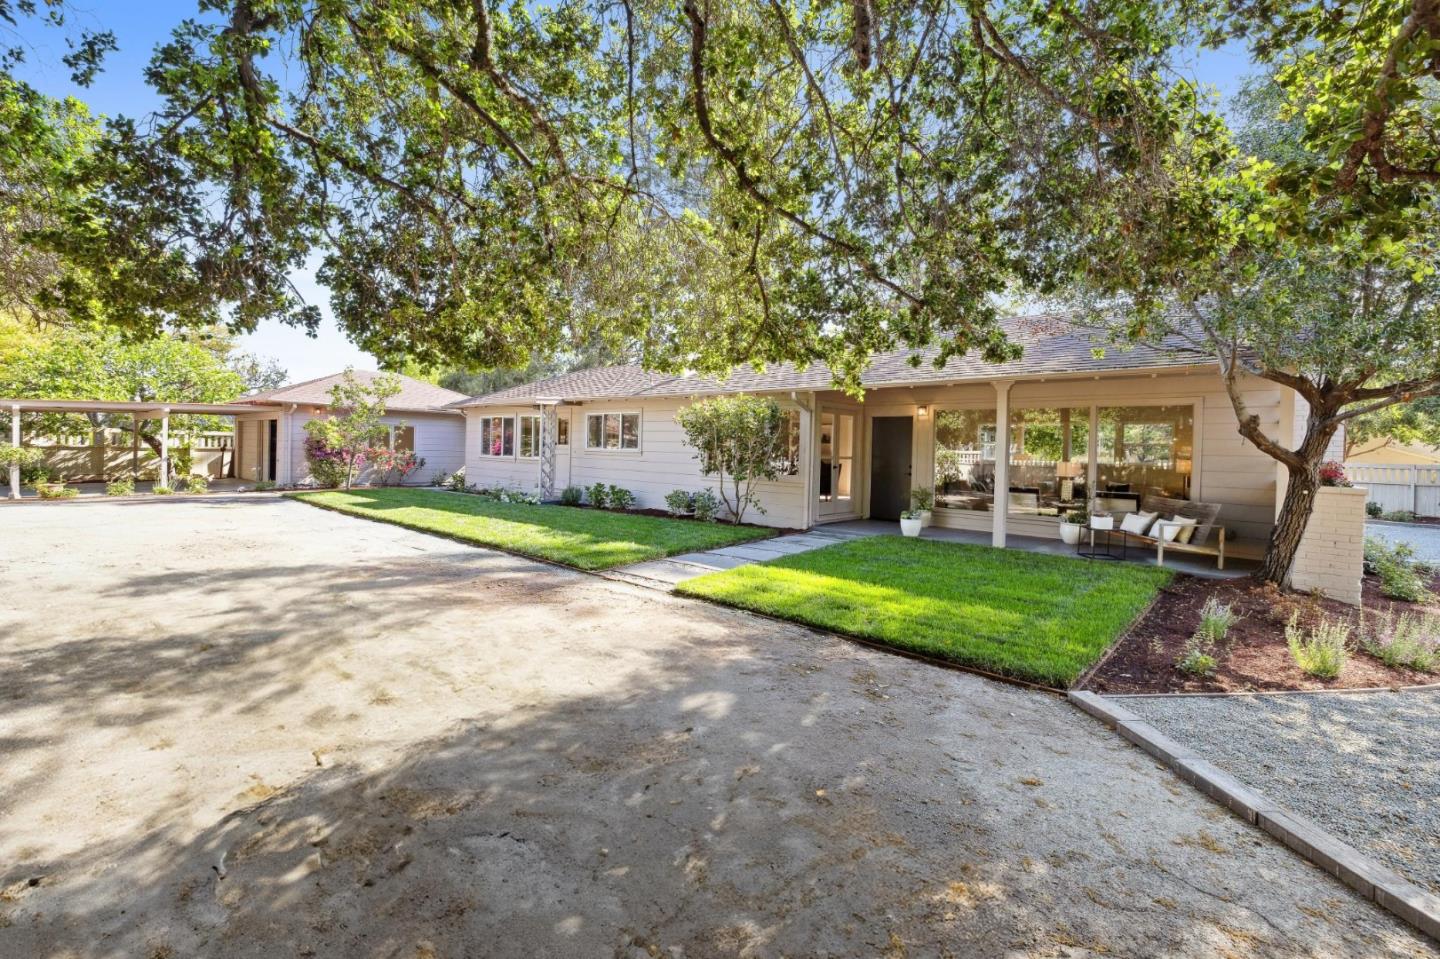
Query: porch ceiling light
[922, 411]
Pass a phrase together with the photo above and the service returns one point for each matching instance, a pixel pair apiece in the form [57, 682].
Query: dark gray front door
[890, 466]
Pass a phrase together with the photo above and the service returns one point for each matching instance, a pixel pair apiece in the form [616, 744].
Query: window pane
[1144, 450]
[405, 438]
[612, 431]
[526, 443]
[562, 431]
[509, 436]
[965, 459]
[788, 463]
[630, 431]
[594, 427]
[1049, 453]
[487, 436]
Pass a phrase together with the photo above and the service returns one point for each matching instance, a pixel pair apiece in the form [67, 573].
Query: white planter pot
[910, 527]
[1070, 533]
[925, 515]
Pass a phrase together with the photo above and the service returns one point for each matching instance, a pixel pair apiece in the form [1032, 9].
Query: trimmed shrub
[706, 505]
[456, 482]
[598, 494]
[678, 502]
[572, 496]
[55, 491]
[620, 498]
[1374, 510]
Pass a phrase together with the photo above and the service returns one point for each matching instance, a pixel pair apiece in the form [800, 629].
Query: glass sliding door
[1049, 460]
[1144, 450]
[965, 449]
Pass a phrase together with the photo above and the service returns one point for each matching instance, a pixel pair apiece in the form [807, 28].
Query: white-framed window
[529, 436]
[497, 436]
[562, 430]
[402, 438]
[788, 462]
[612, 431]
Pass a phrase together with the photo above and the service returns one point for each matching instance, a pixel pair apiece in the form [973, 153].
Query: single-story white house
[1082, 422]
[270, 443]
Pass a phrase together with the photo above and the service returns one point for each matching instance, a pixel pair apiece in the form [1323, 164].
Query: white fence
[1414, 489]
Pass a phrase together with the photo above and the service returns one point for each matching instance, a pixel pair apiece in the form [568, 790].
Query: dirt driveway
[247, 727]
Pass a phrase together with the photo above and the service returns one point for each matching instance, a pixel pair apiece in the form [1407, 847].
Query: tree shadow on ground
[724, 798]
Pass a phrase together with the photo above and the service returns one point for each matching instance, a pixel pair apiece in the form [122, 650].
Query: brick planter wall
[1332, 553]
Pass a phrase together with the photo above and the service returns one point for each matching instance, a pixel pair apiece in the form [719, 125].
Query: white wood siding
[663, 463]
[439, 440]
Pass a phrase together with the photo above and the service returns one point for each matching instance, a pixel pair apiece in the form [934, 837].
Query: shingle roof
[414, 396]
[1051, 347]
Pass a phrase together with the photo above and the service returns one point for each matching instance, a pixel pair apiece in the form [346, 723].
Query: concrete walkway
[665, 573]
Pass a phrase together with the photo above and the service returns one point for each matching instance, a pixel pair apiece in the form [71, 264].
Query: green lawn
[583, 538]
[1032, 616]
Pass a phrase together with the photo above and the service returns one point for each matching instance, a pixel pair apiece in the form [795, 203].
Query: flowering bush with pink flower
[327, 464]
[392, 466]
[1333, 474]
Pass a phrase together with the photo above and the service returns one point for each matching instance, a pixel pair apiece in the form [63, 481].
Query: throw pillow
[1178, 529]
[1137, 523]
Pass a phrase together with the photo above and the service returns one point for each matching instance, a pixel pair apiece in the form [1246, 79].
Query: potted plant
[1071, 525]
[910, 523]
[924, 498]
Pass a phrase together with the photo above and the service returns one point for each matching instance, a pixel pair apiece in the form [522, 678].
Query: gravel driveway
[244, 727]
[1425, 538]
[1364, 765]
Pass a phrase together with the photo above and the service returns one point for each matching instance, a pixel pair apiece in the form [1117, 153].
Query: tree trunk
[1290, 525]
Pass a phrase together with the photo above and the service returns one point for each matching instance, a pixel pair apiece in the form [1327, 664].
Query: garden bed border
[1375, 882]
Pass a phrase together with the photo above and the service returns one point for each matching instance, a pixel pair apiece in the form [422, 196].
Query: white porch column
[165, 447]
[549, 408]
[15, 442]
[1002, 462]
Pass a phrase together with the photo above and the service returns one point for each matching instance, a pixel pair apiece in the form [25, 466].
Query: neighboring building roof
[1051, 347]
[414, 396]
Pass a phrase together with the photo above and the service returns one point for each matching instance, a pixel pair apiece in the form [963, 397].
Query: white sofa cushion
[1176, 529]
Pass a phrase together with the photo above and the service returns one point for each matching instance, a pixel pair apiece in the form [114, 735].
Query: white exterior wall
[1331, 557]
[663, 463]
[439, 440]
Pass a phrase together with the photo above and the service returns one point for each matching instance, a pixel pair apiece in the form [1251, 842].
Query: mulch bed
[1255, 657]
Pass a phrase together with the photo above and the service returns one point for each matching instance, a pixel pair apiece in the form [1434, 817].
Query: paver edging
[1375, 882]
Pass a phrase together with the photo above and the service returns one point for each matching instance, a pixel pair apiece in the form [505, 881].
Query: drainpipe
[15, 442]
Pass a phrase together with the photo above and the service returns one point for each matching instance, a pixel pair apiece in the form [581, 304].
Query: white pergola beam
[1002, 463]
[165, 448]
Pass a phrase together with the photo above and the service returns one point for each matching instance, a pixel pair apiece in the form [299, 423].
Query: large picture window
[788, 463]
[530, 436]
[1049, 460]
[965, 459]
[497, 436]
[612, 431]
[1144, 450]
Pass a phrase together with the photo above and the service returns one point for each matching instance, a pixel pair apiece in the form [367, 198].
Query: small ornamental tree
[740, 440]
[354, 425]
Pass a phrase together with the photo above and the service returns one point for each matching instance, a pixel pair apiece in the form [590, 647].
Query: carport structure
[137, 410]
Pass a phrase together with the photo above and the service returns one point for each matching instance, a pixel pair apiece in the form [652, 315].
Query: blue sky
[121, 89]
